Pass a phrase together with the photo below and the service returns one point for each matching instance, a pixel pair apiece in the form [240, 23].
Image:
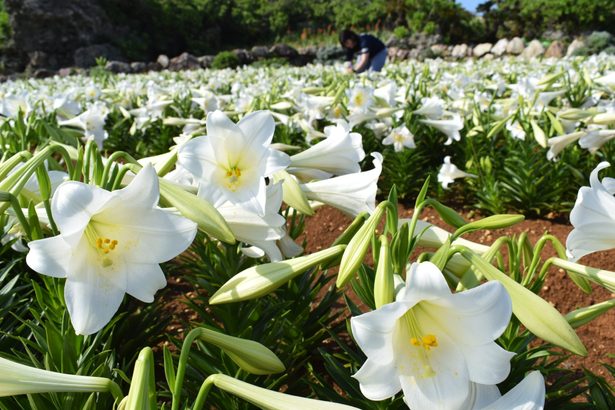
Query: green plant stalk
[199, 402]
[112, 161]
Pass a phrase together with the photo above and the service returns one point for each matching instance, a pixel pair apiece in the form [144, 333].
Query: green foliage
[598, 41]
[225, 59]
[401, 32]
[531, 18]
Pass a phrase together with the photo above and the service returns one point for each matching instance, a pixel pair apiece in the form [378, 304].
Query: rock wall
[51, 31]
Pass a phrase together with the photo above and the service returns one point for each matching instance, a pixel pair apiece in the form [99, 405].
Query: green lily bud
[292, 193]
[491, 222]
[142, 393]
[536, 314]
[602, 277]
[539, 135]
[357, 247]
[584, 315]
[261, 280]
[16, 378]
[383, 283]
[604, 118]
[197, 209]
[251, 356]
[271, 400]
[574, 114]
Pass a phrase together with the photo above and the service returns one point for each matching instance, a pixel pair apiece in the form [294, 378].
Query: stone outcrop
[481, 49]
[534, 49]
[576, 44]
[555, 50]
[515, 46]
[57, 28]
[499, 48]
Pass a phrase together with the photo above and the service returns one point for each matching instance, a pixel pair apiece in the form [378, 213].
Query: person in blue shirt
[372, 53]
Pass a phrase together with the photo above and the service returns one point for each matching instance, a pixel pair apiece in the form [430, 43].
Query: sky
[470, 4]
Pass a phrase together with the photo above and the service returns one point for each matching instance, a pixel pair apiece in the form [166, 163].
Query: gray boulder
[515, 46]
[460, 51]
[499, 48]
[163, 60]
[206, 61]
[534, 49]
[576, 44]
[555, 50]
[482, 49]
[260, 52]
[284, 51]
[57, 26]
[244, 56]
[184, 61]
[138, 67]
[118, 67]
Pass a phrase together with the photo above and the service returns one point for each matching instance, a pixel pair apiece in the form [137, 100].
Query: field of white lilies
[122, 194]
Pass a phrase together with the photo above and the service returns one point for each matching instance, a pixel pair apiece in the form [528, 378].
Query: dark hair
[348, 35]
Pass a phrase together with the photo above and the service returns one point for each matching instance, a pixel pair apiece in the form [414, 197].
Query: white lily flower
[360, 99]
[92, 122]
[350, 193]
[338, 154]
[529, 394]
[515, 129]
[400, 137]
[557, 144]
[232, 161]
[431, 107]
[593, 217]
[110, 243]
[449, 173]
[449, 127]
[594, 139]
[433, 344]
[260, 231]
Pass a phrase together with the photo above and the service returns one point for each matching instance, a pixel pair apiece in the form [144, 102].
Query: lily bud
[584, 315]
[16, 378]
[142, 393]
[261, 280]
[197, 209]
[271, 400]
[251, 356]
[384, 282]
[357, 247]
[292, 193]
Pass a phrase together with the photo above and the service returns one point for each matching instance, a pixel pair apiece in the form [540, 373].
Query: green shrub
[401, 32]
[225, 59]
[598, 41]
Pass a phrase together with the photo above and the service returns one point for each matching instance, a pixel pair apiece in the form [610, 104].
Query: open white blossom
[593, 217]
[400, 137]
[434, 344]
[449, 173]
[232, 161]
[110, 243]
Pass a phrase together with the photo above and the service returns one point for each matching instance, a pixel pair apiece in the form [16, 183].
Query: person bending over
[372, 53]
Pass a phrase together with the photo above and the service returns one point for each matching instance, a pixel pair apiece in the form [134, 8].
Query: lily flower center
[102, 245]
[422, 344]
[398, 137]
[358, 99]
[232, 178]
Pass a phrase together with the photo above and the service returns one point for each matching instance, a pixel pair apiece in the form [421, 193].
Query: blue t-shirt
[367, 44]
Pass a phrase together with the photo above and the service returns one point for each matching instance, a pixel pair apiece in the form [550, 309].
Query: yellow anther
[429, 341]
[107, 240]
[99, 243]
[415, 342]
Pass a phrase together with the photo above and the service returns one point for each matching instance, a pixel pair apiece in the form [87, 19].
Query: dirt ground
[598, 336]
